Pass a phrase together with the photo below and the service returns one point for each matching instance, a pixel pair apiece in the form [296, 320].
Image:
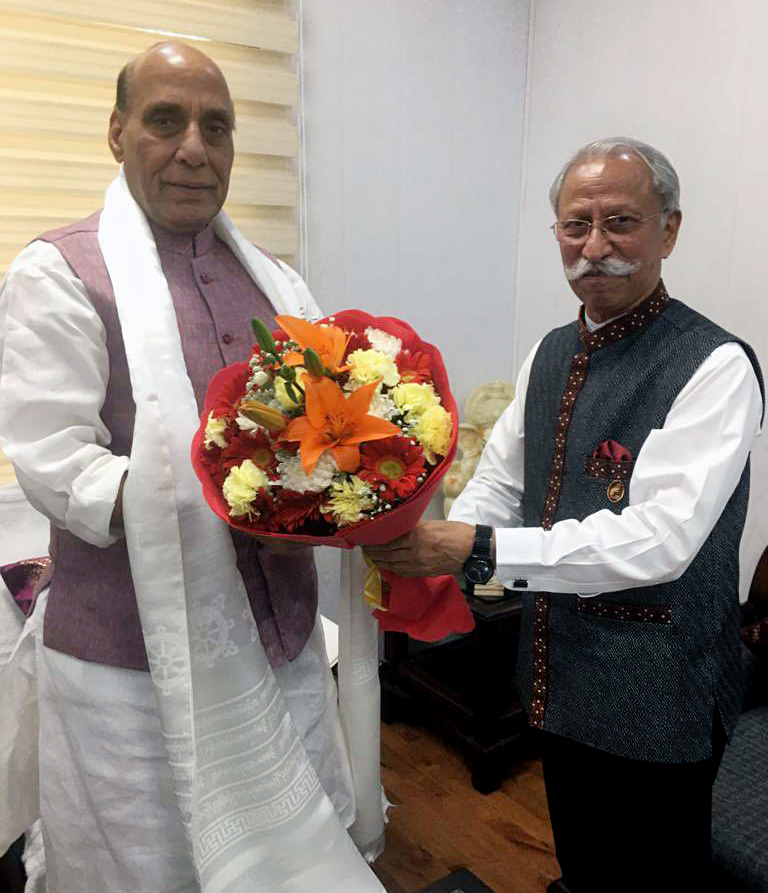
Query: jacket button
[205, 278]
[227, 338]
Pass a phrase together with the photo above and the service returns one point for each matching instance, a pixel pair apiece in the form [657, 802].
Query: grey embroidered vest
[638, 673]
[92, 612]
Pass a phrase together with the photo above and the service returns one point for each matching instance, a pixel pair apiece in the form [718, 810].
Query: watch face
[478, 570]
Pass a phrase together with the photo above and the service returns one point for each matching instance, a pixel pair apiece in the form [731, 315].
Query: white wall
[414, 125]
[689, 77]
[414, 115]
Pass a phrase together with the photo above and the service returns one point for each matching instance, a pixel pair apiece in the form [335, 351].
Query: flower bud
[263, 336]
[266, 416]
[313, 363]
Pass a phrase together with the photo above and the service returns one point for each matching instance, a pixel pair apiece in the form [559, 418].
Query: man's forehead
[163, 73]
[626, 174]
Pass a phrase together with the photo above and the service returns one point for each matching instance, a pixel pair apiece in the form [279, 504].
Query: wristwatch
[479, 567]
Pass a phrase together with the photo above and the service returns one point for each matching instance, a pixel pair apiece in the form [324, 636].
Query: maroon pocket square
[611, 449]
[612, 462]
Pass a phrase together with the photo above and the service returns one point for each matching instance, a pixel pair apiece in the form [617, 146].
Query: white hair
[664, 178]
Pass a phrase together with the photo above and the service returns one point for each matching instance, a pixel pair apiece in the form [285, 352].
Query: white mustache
[608, 266]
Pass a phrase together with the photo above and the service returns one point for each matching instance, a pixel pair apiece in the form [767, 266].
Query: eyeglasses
[615, 228]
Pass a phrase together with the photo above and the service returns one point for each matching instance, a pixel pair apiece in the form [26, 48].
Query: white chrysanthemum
[293, 476]
[389, 345]
[382, 406]
[246, 424]
[258, 379]
[366, 366]
[241, 486]
[214, 431]
[349, 497]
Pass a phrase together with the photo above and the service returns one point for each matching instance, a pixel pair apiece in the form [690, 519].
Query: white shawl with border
[256, 816]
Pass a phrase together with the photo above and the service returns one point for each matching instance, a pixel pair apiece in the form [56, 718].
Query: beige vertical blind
[60, 60]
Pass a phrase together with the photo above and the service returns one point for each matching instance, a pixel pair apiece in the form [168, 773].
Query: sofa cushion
[740, 808]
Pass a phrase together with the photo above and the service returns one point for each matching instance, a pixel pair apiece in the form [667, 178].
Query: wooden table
[465, 684]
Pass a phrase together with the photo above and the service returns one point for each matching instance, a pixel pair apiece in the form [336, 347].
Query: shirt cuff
[519, 567]
[92, 501]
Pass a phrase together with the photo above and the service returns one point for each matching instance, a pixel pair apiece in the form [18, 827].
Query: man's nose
[596, 246]
[191, 149]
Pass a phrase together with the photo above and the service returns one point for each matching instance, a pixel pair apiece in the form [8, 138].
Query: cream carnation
[214, 432]
[389, 345]
[293, 476]
[366, 366]
[432, 429]
[349, 497]
[241, 486]
[411, 397]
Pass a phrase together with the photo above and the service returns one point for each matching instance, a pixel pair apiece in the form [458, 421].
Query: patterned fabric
[25, 579]
[92, 610]
[740, 809]
[637, 673]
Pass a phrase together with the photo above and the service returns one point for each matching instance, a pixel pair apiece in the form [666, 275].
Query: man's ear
[115, 134]
[671, 229]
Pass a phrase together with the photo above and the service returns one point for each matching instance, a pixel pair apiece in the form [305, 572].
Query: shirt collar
[637, 318]
[190, 244]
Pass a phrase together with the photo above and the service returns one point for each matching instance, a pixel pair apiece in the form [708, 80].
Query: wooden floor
[440, 823]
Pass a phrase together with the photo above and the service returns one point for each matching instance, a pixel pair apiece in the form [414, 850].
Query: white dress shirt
[682, 479]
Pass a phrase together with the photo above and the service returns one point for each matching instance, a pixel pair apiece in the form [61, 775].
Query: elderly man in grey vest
[228, 767]
[612, 495]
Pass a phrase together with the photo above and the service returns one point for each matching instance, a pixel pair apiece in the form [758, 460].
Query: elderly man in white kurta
[225, 767]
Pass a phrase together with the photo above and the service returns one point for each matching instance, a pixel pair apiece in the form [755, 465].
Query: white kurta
[682, 479]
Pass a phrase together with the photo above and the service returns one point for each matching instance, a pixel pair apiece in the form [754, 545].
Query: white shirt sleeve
[54, 369]
[682, 479]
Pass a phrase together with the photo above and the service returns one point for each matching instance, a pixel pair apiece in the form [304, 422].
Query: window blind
[57, 88]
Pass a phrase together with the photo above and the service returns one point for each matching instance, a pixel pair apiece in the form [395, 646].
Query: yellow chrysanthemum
[414, 398]
[432, 429]
[366, 366]
[241, 486]
[349, 498]
[214, 432]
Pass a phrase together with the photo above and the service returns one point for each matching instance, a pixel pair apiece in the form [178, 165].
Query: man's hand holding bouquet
[336, 433]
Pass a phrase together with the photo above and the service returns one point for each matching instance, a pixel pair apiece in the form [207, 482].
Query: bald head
[170, 51]
[172, 130]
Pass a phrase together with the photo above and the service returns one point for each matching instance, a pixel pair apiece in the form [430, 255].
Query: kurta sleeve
[54, 369]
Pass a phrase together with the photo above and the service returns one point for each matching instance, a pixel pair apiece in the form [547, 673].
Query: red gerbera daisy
[392, 466]
[293, 510]
[253, 445]
[414, 368]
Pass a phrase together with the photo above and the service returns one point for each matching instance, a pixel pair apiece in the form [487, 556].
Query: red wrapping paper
[427, 608]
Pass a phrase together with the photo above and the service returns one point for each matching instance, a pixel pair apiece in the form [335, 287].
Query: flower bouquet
[336, 433]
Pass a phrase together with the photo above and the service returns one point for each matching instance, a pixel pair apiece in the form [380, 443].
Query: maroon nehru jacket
[92, 612]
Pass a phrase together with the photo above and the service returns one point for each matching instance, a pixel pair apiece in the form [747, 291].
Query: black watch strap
[482, 544]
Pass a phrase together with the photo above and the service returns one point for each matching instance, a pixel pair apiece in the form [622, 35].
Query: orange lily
[336, 423]
[328, 342]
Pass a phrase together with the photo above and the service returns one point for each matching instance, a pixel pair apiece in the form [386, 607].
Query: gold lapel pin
[615, 491]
